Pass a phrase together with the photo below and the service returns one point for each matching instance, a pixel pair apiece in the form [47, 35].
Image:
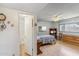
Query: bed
[45, 39]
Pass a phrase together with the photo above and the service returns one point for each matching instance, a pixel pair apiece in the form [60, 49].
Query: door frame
[34, 46]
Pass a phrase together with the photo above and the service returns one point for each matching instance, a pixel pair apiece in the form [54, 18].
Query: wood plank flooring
[60, 49]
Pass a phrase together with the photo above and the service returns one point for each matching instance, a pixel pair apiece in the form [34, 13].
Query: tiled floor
[60, 49]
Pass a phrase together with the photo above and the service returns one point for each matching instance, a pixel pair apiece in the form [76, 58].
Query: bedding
[46, 39]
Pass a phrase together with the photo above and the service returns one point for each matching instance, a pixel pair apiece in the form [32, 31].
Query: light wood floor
[60, 49]
[23, 51]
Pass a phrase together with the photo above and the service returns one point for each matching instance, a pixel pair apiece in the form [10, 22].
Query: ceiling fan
[57, 17]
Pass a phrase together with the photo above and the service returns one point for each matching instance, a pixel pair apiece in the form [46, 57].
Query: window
[42, 28]
[69, 27]
[62, 27]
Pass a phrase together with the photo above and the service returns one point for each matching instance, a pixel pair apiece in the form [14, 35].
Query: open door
[27, 33]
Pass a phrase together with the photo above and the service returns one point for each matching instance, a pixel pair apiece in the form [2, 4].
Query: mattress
[46, 38]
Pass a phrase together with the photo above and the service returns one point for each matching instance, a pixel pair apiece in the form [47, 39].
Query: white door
[27, 32]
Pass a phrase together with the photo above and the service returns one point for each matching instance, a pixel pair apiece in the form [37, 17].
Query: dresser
[71, 39]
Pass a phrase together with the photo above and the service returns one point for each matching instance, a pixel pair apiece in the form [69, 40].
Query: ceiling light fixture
[56, 18]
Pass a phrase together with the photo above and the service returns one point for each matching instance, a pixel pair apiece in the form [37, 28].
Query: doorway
[28, 33]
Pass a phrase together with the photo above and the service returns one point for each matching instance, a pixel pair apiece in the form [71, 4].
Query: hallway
[60, 49]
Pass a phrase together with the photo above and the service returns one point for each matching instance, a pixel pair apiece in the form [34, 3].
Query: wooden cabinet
[53, 31]
[71, 39]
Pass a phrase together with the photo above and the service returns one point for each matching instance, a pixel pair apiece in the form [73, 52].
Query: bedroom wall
[48, 24]
[9, 38]
[56, 25]
[70, 20]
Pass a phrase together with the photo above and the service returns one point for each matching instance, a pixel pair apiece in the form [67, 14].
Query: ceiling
[45, 11]
[64, 9]
[27, 7]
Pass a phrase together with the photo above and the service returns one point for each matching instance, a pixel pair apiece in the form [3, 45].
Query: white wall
[9, 38]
